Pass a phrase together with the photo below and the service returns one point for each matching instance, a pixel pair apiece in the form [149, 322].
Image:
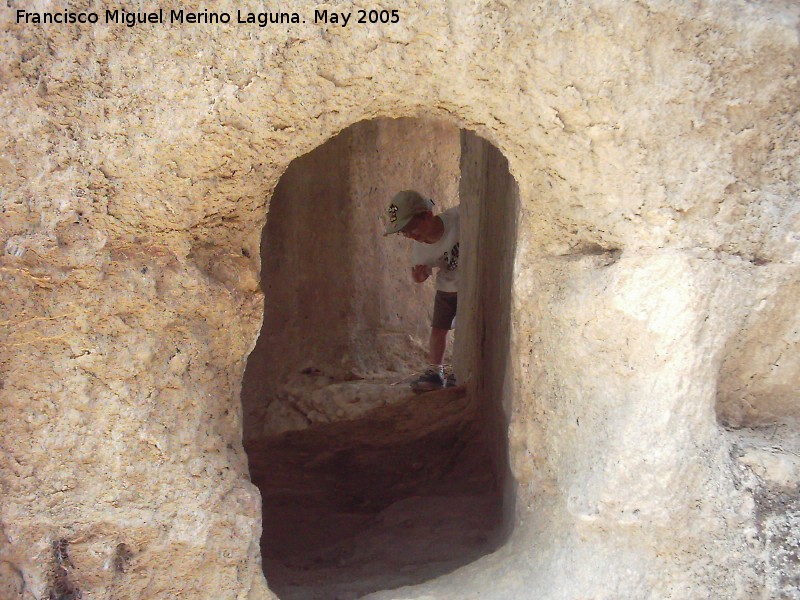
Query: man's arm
[420, 273]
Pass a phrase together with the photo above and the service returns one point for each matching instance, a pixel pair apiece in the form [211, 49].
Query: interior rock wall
[391, 155]
[489, 211]
[342, 306]
[655, 146]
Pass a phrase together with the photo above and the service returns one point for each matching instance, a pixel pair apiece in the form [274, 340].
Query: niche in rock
[365, 485]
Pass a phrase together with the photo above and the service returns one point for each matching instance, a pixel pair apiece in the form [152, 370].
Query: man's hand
[420, 273]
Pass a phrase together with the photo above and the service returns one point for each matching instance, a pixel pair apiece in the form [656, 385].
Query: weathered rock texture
[653, 378]
[342, 307]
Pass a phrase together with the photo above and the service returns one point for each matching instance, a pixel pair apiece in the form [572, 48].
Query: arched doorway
[366, 486]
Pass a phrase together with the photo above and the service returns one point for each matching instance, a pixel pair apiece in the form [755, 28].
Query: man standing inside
[435, 246]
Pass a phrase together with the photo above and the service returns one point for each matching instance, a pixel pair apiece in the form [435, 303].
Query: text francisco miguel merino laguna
[160, 16]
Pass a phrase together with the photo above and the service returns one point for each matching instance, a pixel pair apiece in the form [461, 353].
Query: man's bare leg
[437, 346]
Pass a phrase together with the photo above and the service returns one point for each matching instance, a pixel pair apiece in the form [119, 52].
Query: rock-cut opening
[365, 485]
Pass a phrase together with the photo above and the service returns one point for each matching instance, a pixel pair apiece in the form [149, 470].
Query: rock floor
[401, 495]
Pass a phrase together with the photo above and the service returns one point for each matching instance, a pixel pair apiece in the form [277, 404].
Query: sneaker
[450, 381]
[429, 380]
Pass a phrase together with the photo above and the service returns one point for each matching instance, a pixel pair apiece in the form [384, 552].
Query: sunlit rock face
[647, 383]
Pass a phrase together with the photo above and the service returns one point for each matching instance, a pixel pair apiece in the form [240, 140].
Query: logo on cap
[392, 213]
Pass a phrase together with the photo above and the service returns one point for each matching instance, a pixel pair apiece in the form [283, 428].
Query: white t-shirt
[442, 254]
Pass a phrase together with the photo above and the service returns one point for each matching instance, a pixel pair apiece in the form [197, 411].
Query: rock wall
[490, 212]
[655, 148]
[342, 306]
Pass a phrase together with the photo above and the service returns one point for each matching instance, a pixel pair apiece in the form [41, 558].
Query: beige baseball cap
[404, 206]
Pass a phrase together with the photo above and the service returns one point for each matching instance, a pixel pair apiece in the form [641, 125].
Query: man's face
[415, 228]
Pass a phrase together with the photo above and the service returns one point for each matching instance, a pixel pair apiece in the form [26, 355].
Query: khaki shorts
[444, 309]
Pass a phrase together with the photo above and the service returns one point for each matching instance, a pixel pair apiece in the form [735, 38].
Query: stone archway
[365, 485]
[655, 148]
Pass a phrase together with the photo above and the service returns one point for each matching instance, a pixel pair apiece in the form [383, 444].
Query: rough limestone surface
[653, 428]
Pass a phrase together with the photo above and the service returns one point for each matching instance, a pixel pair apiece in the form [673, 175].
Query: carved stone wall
[653, 431]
